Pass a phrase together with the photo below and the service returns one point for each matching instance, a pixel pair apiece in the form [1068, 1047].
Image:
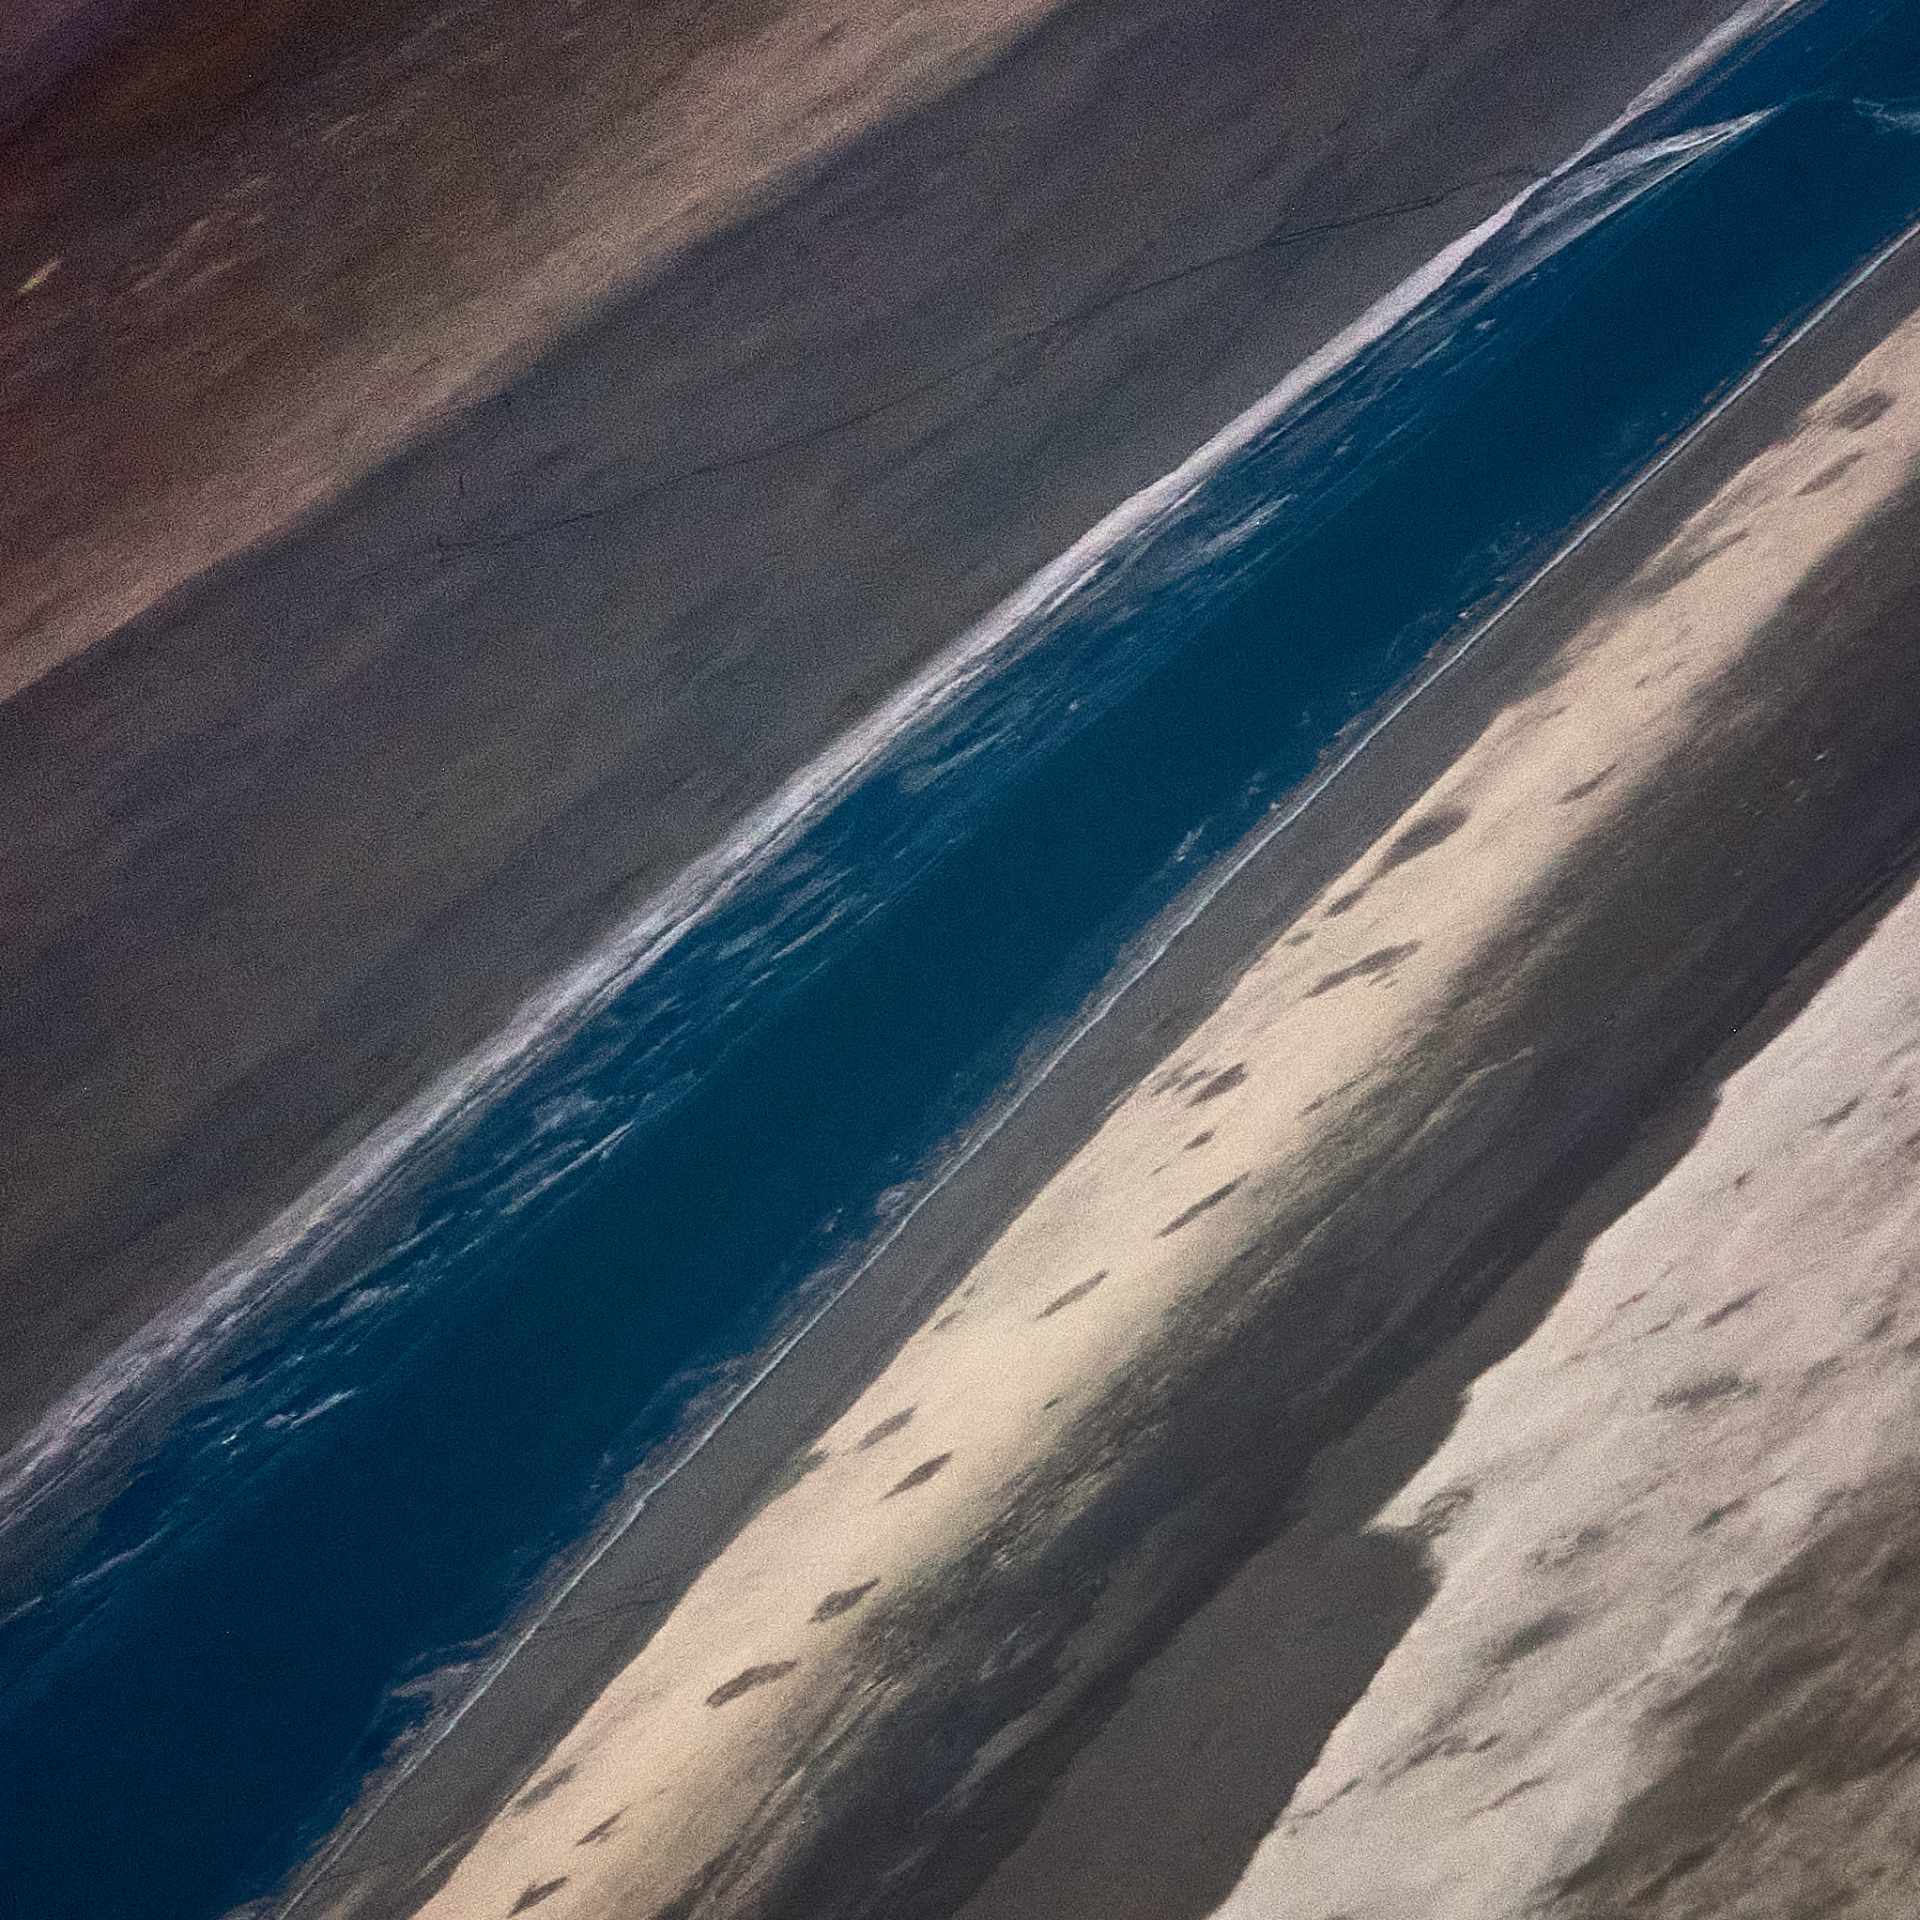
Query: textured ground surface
[300, 836]
[1383, 1447]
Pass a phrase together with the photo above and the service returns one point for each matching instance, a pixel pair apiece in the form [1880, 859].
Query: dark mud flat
[294, 842]
[1547, 1104]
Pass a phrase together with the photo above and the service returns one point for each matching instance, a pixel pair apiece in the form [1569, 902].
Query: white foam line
[1178, 926]
[242, 1286]
[1744, 23]
[234, 1291]
[239, 1288]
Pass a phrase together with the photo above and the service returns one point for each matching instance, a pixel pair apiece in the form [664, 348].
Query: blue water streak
[211, 1673]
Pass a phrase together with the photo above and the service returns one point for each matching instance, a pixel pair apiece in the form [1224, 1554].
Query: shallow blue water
[382, 1481]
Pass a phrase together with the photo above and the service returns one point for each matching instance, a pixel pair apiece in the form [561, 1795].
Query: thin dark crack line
[1043, 333]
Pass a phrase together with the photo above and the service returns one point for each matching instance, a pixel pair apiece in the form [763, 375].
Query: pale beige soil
[1672, 1536]
[713, 1730]
[288, 846]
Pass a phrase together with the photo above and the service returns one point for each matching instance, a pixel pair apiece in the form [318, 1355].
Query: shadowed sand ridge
[1055, 1606]
[1665, 1666]
[984, 1617]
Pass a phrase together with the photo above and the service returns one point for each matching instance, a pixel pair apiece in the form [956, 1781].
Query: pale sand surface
[296, 840]
[1728, 1381]
[711, 1731]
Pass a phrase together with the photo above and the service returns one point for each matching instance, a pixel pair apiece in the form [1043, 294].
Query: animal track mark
[544, 1789]
[1515, 1792]
[1382, 960]
[1827, 475]
[1728, 1308]
[1220, 1083]
[1663, 576]
[1581, 789]
[892, 1424]
[1714, 1515]
[921, 1474]
[1864, 411]
[1438, 1513]
[1426, 833]
[1079, 1291]
[842, 1600]
[748, 1679]
[1205, 1205]
[1691, 1396]
[1536, 1635]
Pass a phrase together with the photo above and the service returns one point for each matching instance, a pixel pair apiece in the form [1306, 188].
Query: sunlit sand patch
[1709, 1393]
[686, 1749]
